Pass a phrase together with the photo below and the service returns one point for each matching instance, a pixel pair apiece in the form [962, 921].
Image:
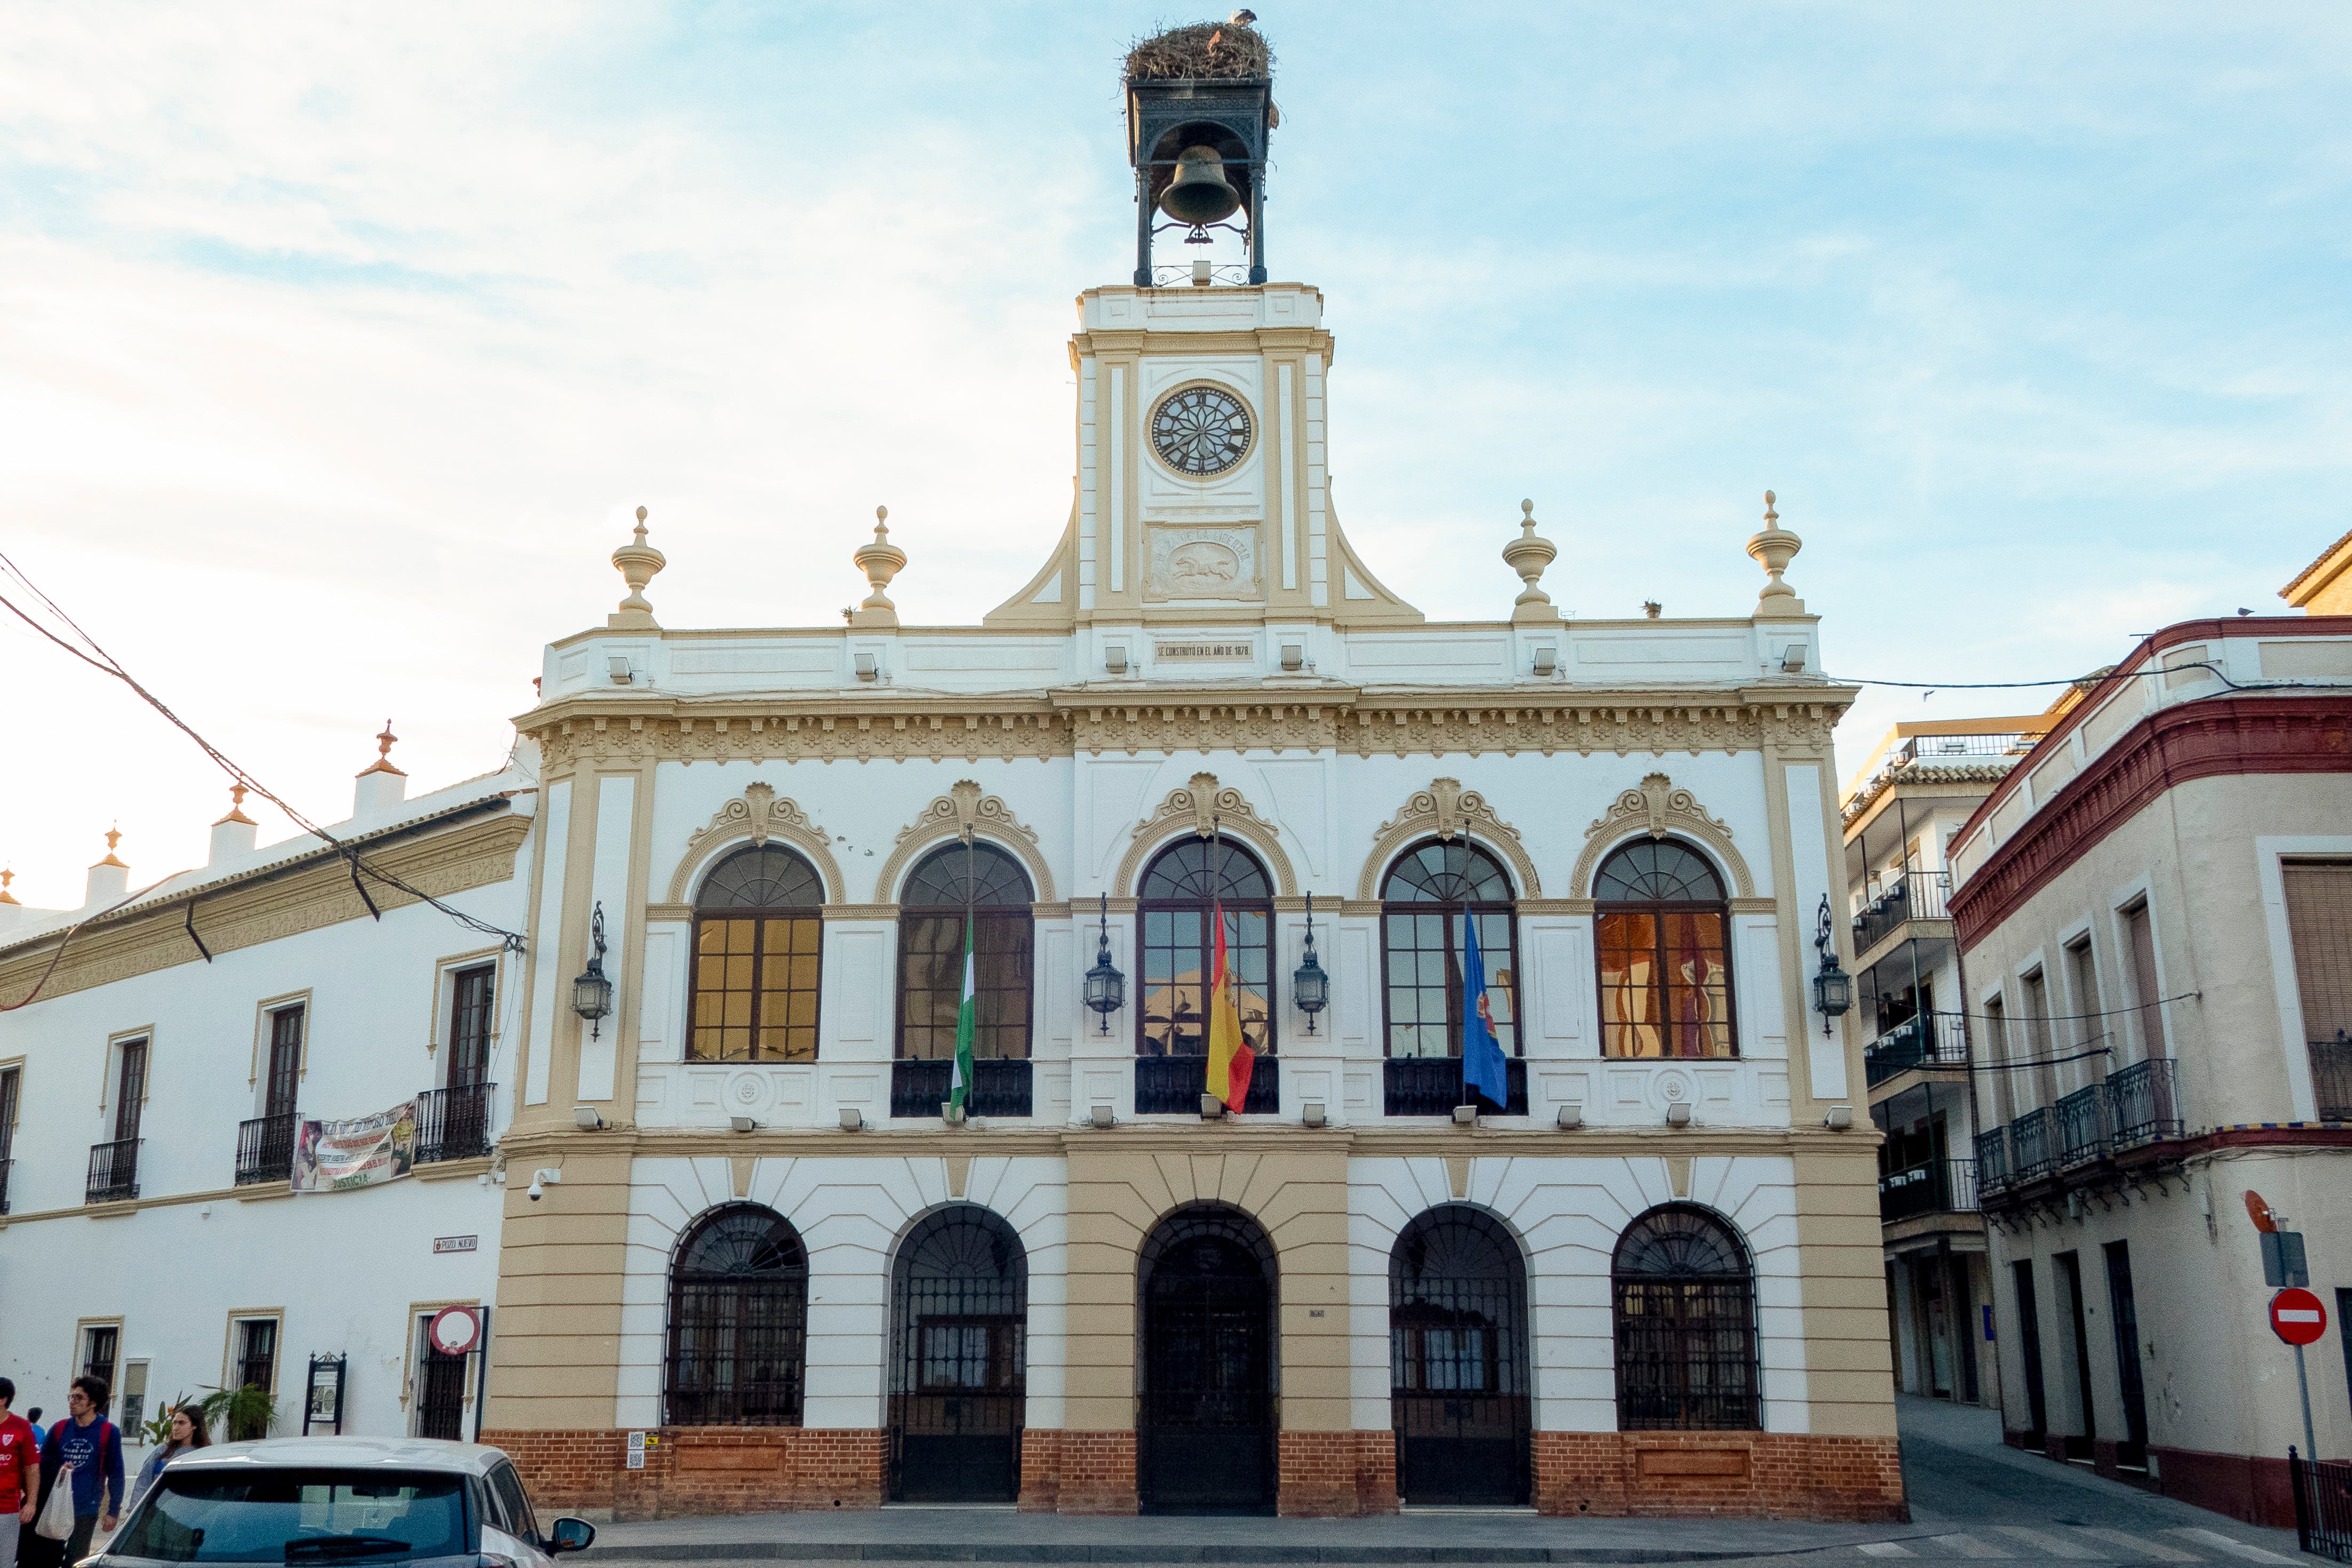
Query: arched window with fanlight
[1664, 948]
[737, 1321]
[1685, 1298]
[988, 884]
[759, 939]
[1172, 1026]
[1427, 898]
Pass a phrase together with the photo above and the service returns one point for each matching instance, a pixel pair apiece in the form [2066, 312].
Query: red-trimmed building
[2154, 911]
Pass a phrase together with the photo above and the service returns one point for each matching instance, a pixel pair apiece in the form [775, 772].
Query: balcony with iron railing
[1924, 1040]
[1173, 1086]
[2082, 1126]
[1993, 1159]
[1912, 896]
[113, 1171]
[265, 1148]
[454, 1123]
[2331, 1077]
[1432, 1085]
[1934, 1187]
[997, 1087]
[2097, 1128]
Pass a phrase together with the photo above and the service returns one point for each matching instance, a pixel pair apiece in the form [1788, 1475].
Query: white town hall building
[729, 1214]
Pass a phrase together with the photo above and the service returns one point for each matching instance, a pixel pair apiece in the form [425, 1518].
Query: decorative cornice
[947, 817]
[2212, 738]
[1406, 721]
[1444, 810]
[1189, 809]
[1657, 807]
[473, 854]
[759, 814]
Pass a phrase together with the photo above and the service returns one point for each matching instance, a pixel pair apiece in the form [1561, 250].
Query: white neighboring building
[150, 1095]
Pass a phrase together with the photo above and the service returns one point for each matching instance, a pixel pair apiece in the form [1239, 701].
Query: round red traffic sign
[2298, 1316]
[454, 1331]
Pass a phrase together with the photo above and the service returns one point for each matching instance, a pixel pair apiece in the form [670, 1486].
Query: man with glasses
[92, 1446]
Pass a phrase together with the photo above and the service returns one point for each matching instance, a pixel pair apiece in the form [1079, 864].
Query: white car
[370, 1502]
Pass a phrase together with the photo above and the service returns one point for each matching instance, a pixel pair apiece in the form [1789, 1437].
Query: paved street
[1972, 1499]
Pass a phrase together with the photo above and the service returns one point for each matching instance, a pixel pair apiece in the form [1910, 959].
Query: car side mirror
[571, 1535]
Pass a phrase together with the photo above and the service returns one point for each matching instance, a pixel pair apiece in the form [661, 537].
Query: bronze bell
[1199, 194]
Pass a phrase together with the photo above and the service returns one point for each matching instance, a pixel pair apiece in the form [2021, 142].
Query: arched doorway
[1458, 1360]
[960, 1361]
[1205, 1433]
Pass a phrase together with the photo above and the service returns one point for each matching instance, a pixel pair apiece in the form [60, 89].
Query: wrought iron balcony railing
[454, 1123]
[2082, 1126]
[2331, 1077]
[1913, 896]
[1432, 1085]
[1993, 1159]
[1173, 1085]
[1930, 1039]
[2033, 1145]
[1936, 1186]
[998, 1088]
[2143, 1104]
[265, 1148]
[113, 1171]
[6, 1167]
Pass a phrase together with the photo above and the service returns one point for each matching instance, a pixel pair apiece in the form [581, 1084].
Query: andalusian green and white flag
[967, 1019]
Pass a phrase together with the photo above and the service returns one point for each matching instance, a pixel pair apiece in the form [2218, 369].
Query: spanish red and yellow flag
[1230, 1057]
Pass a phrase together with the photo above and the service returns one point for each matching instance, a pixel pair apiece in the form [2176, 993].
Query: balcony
[2143, 1104]
[1993, 1159]
[2091, 1129]
[2033, 1145]
[113, 1171]
[2331, 1077]
[1929, 1041]
[2082, 1127]
[1173, 1086]
[998, 1088]
[454, 1123]
[1432, 1085]
[265, 1149]
[1937, 1186]
[1914, 896]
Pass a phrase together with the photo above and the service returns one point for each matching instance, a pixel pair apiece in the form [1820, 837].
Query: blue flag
[1482, 1054]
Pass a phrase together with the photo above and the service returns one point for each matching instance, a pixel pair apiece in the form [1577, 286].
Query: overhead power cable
[2096, 677]
[97, 658]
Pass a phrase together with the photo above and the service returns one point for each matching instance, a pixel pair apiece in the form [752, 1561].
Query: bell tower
[1200, 108]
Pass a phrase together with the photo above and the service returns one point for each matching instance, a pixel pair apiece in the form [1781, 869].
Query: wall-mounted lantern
[1106, 990]
[592, 993]
[1310, 988]
[1833, 986]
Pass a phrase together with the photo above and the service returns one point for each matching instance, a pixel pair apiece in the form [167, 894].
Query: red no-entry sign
[2298, 1316]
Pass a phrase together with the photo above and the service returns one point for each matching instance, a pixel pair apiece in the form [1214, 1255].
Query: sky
[339, 343]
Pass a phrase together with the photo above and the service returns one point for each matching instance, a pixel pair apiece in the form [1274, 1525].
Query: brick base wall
[1762, 1475]
[1336, 1474]
[1092, 1472]
[692, 1471]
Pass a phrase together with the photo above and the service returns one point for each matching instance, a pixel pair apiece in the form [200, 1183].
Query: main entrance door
[1458, 1361]
[960, 1368]
[1205, 1431]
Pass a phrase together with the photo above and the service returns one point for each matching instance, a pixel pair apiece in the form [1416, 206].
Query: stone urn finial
[1528, 555]
[881, 561]
[1773, 549]
[636, 562]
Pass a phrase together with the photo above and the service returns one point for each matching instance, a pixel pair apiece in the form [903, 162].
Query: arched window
[1458, 1360]
[1685, 1325]
[1428, 894]
[737, 1321]
[991, 884]
[1665, 953]
[959, 1376]
[1178, 955]
[758, 940]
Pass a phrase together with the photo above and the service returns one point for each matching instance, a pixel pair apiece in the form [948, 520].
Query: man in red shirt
[18, 1457]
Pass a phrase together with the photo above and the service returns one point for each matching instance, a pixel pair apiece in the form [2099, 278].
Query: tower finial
[113, 837]
[237, 792]
[637, 562]
[1528, 555]
[383, 764]
[1773, 549]
[881, 561]
[6, 877]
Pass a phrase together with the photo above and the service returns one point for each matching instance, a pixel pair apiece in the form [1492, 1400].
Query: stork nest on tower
[1204, 49]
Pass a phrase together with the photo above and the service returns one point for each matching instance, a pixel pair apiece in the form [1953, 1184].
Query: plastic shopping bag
[57, 1520]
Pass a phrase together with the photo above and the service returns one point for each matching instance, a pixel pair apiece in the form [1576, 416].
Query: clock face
[1201, 431]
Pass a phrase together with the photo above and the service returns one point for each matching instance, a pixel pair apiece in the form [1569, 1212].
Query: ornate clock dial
[1201, 431]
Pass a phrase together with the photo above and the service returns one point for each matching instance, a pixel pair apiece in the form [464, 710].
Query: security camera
[541, 1180]
[536, 1193]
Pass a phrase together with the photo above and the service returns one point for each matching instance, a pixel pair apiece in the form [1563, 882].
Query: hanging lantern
[592, 993]
[1833, 986]
[1106, 987]
[1310, 988]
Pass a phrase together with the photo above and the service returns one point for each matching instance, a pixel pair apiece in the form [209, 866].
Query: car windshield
[297, 1516]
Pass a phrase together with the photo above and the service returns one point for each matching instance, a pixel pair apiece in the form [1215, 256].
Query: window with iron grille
[470, 1025]
[1663, 952]
[280, 1082]
[131, 1089]
[1427, 895]
[959, 1373]
[737, 1321]
[257, 1367]
[1458, 1360]
[2319, 924]
[991, 884]
[1179, 947]
[1685, 1297]
[99, 1345]
[759, 940]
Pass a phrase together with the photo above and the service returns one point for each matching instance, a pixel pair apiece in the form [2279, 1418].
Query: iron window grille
[1664, 953]
[959, 1368]
[1207, 1411]
[1685, 1300]
[1458, 1361]
[737, 1322]
[454, 1123]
